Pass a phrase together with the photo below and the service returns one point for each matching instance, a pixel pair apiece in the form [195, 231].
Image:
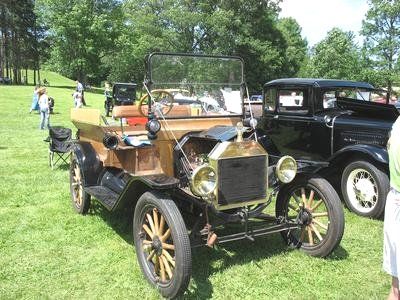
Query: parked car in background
[122, 94]
[5, 80]
[335, 125]
[256, 98]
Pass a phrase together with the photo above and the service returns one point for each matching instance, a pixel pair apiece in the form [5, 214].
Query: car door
[289, 122]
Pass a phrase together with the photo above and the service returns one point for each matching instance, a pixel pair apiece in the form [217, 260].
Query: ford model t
[196, 177]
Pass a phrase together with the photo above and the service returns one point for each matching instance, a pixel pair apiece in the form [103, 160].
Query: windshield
[196, 86]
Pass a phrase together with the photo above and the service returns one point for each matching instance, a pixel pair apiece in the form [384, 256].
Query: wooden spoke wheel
[316, 207]
[162, 244]
[163, 103]
[80, 199]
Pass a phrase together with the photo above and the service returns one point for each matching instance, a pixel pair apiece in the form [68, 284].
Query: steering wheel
[163, 101]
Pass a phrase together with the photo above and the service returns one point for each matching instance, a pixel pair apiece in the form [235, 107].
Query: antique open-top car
[193, 176]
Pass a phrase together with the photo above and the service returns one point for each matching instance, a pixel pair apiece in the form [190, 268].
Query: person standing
[44, 109]
[80, 89]
[391, 225]
[35, 99]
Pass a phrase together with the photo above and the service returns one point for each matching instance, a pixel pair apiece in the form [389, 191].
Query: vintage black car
[338, 127]
[122, 94]
[196, 177]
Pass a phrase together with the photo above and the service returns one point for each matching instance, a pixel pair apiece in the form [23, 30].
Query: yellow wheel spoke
[310, 236]
[310, 199]
[168, 246]
[166, 235]
[150, 220]
[169, 257]
[166, 265]
[316, 205]
[161, 228]
[148, 231]
[316, 232]
[320, 224]
[155, 218]
[303, 197]
[321, 214]
[146, 242]
[149, 258]
[162, 269]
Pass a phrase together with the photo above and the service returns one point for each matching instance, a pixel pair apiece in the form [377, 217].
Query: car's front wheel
[162, 244]
[364, 189]
[314, 205]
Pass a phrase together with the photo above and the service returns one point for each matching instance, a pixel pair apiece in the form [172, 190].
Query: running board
[105, 196]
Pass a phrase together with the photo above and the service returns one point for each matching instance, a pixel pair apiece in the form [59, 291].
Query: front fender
[137, 185]
[378, 154]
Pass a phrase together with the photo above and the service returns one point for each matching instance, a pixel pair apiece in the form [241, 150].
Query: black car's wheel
[162, 244]
[80, 199]
[364, 189]
[316, 207]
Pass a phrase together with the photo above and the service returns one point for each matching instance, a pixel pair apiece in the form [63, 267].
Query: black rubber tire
[381, 187]
[180, 238]
[81, 205]
[331, 203]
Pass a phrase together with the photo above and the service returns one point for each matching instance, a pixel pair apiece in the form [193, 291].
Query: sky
[317, 17]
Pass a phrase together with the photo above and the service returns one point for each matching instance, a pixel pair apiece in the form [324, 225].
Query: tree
[381, 29]
[244, 28]
[336, 56]
[296, 46]
[82, 32]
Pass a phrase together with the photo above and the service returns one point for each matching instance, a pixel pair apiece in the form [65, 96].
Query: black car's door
[289, 122]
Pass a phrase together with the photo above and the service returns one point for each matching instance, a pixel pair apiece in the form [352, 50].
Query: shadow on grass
[203, 258]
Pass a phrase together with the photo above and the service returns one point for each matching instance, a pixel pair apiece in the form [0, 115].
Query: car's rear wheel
[162, 244]
[315, 206]
[364, 189]
[80, 199]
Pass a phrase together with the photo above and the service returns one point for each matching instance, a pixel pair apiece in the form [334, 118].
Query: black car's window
[329, 99]
[292, 101]
[269, 99]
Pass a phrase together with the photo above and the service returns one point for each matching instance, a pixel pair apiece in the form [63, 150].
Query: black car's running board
[106, 196]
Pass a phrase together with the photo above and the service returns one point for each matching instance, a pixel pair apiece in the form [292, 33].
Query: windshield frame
[148, 81]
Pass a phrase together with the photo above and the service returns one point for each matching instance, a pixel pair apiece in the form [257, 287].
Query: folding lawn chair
[60, 144]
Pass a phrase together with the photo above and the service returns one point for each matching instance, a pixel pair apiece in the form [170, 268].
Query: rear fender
[89, 162]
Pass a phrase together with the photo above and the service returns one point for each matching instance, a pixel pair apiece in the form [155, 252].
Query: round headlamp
[286, 169]
[203, 181]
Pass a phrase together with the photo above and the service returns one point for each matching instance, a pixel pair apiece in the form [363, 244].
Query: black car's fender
[89, 162]
[137, 185]
[378, 154]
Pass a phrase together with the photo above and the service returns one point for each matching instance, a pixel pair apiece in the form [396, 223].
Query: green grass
[49, 251]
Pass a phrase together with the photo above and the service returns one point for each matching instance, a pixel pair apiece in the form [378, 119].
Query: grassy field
[49, 251]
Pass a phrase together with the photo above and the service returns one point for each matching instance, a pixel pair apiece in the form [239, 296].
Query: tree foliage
[20, 38]
[81, 33]
[336, 56]
[245, 28]
[381, 29]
